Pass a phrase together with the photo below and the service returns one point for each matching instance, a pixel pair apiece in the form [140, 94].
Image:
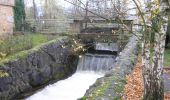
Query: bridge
[102, 31]
[93, 30]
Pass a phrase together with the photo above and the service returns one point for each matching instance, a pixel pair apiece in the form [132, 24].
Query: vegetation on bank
[167, 57]
[16, 44]
[101, 90]
[3, 74]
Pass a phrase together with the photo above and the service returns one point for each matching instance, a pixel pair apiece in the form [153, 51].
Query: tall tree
[34, 9]
[19, 15]
[152, 57]
[52, 10]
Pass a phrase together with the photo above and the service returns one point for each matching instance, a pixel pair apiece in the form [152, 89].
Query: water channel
[89, 69]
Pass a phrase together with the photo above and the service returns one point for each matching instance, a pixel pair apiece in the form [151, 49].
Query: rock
[37, 68]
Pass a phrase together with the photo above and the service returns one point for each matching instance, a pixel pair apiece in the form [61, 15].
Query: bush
[15, 44]
[19, 43]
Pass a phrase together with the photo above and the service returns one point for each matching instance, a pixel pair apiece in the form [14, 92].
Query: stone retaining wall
[112, 84]
[52, 61]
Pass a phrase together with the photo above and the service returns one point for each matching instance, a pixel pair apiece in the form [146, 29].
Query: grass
[39, 38]
[15, 44]
[167, 57]
[25, 53]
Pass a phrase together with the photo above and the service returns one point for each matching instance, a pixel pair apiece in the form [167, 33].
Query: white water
[89, 70]
[69, 89]
[96, 62]
[107, 46]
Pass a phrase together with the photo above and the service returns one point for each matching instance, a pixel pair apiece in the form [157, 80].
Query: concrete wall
[76, 27]
[6, 18]
[79, 26]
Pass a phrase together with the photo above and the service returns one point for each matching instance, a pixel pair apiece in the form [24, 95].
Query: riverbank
[53, 60]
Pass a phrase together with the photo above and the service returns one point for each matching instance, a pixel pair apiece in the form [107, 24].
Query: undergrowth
[15, 44]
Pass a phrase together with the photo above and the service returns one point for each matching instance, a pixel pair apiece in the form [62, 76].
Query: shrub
[19, 43]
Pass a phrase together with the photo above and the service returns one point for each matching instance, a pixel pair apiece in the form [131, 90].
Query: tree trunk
[153, 71]
[86, 14]
[153, 81]
[35, 16]
[147, 68]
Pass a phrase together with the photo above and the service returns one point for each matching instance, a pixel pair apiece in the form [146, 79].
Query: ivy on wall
[19, 15]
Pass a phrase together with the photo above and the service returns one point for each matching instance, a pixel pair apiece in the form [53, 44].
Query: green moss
[119, 84]
[63, 73]
[38, 39]
[3, 74]
[118, 98]
[119, 87]
[100, 91]
[83, 98]
[59, 75]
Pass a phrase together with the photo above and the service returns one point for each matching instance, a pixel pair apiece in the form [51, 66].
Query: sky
[38, 2]
[66, 5]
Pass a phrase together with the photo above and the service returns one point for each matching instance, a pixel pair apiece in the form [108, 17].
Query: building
[6, 18]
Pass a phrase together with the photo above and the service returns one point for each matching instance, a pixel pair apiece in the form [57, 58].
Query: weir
[91, 66]
[95, 62]
[107, 46]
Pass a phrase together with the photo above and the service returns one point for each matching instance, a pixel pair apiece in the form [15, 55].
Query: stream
[89, 69]
[69, 89]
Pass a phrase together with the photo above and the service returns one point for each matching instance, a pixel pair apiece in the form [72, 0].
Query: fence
[50, 25]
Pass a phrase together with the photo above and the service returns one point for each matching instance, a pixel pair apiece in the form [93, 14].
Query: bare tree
[152, 57]
[35, 9]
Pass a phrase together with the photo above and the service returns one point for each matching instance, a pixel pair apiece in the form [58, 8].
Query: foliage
[19, 43]
[155, 12]
[167, 57]
[134, 88]
[3, 74]
[19, 14]
[25, 53]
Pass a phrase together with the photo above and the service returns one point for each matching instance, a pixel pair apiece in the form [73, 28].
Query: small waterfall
[106, 46]
[90, 67]
[95, 62]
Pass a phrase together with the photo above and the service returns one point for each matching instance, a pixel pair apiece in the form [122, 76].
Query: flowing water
[106, 46]
[89, 69]
[69, 89]
[96, 62]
